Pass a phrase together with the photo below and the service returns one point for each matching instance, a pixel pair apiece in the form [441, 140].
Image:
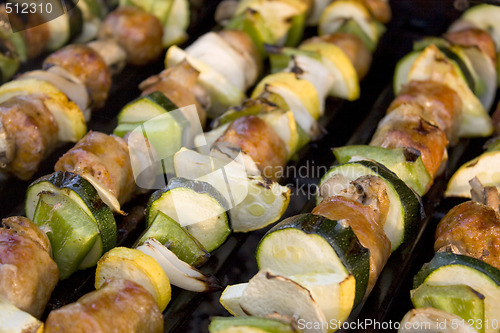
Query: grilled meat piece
[28, 274]
[257, 139]
[106, 158]
[474, 37]
[380, 10]
[88, 66]
[353, 47]
[138, 32]
[24, 227]
[368, 190]
[243, 44]
[363, 221]
[32, 27]
[178, 83]
[119, 306]
[438, 104]
[405, 128]
[495, 118]
[473, 229]
[32, 130]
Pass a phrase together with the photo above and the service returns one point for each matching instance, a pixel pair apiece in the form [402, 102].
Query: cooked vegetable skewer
[344, 192]
[278, 138]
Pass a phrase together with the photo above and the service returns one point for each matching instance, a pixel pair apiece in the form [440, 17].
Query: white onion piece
[104, 193]
[231, 152]
[486, 71]
[460, 25]
[113, 54]
[179, 273]
[316, 73]
[67, 83]
[433, 320]
[221, 57]
[317, 9]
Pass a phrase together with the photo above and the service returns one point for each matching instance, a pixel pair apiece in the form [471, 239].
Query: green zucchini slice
[407, 165]
[309, 243]
[448, 269]
[73, 234]
[197, 206]
[83, 194]
[168, 232]
[459, 299]
[405, 210]
[145, 108]
[249, 325]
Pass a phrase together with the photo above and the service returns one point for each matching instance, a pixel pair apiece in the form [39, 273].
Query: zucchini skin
[354, 257]
[197, 186]
[411, 201]
[447, 258]
[89, 195]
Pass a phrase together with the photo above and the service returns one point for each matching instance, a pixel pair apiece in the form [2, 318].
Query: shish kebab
[92, 136]
[28, 28]
[458, 288]
[370, 203]
[44, 107]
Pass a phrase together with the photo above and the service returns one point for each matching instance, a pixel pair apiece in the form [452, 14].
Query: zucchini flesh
[252, 23]
[405, 209]
[197, 206]
[350, 26]
[145, 108]
[309, 243]
[447, 269]
[249, 324]
[168, 232]
[83, 194]
[405, 164]
[460, 300]
[73, 234]
[402, 71]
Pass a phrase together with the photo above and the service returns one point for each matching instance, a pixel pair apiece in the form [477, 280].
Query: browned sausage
[36, 37]
[473, 229]
[353, 47]
[88, 66]
[28, 274]
[119, 306]
[407, 129]
[177, 83]
[474, 37]
[24, 227]
[34, 132]
[380, 10]
[105, 157]
[138, 32]
[368, 190]
[243, 44]
[32, 27]
[256, 138]
[439, 104]
[362, 219]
